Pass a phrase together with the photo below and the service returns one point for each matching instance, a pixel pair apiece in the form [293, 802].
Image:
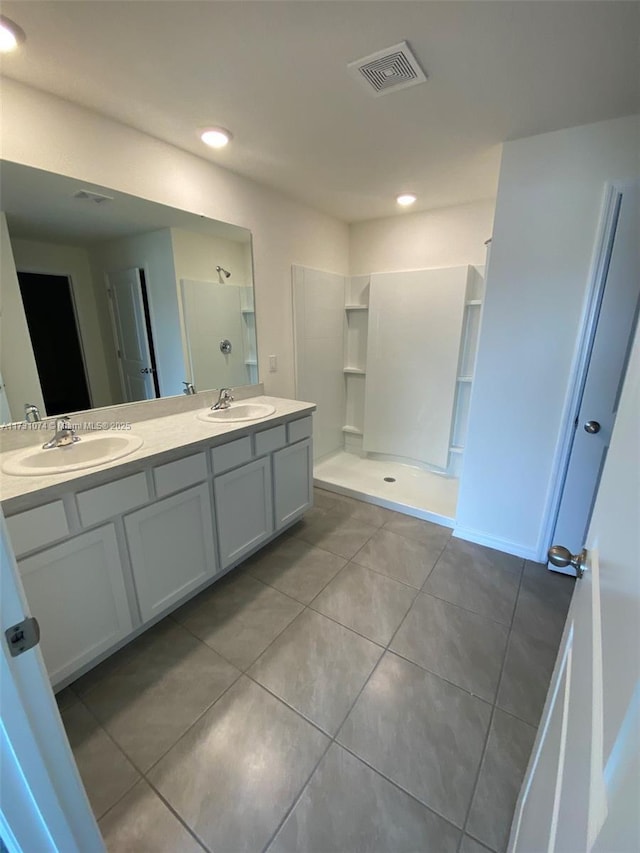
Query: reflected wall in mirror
[106, 298]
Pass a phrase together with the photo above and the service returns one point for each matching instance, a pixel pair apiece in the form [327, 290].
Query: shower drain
[389, 479]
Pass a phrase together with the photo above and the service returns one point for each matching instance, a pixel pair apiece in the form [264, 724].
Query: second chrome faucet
[65, 434]
[225, 399]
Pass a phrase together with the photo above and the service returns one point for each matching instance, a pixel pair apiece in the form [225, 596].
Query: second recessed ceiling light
[215, 137]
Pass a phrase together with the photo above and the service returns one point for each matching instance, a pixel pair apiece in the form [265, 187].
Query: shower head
[226, 272]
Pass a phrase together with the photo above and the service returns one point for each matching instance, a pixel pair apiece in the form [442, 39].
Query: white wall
[153, 253]
[547, 212]
[73, 261]
[318, 299]
[196, 256]
[17, 362]
[49, 133]
[447, 237]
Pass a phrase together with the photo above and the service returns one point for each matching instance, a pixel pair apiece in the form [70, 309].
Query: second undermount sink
[237, 412]
[91, 450]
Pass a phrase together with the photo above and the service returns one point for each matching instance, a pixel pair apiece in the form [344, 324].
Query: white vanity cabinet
[77, 592]
[292, 482]
[244, 509]
[99, 564]
[171, 548]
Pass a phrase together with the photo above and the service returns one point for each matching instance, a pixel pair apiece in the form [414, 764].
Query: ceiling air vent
[388, 70]
[97, 198]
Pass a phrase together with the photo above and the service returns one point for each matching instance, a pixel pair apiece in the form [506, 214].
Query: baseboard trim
[470, 535]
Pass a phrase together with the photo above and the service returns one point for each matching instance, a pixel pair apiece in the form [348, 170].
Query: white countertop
[164, 438]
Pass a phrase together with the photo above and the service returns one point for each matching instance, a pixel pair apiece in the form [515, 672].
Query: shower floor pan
[422, 494]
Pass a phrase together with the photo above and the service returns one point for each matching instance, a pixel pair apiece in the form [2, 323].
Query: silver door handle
[592, 427]
[562, 557]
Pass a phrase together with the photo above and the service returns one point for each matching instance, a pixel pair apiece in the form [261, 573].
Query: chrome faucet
[31, 413]
[224, 399]
[65, 435]
[189, 388]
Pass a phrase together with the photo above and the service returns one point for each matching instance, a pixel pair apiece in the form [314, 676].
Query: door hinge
[110, 293]
[23, 636]
[119, 353]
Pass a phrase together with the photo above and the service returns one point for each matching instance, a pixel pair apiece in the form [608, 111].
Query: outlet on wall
[273, 364]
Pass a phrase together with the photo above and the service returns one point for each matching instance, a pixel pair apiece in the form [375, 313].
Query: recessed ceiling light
[11, 35]
[406, 199]
[215, 137]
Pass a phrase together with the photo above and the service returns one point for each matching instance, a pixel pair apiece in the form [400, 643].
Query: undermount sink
[89, 451]
[238, 412]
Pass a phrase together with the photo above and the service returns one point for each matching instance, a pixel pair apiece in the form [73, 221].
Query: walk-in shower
[388, 358]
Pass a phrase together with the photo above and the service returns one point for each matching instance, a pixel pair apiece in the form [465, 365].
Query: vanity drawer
[37, 527]
[270, 439]
[231, 455]
[174, 476]
[302, 428]
[111, 499]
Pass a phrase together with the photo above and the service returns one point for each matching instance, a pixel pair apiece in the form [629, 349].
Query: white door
[582, 788]
[130, 332]
[43, 805]
[615, 318]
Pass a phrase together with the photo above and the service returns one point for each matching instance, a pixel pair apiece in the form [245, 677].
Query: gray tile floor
[366, 684]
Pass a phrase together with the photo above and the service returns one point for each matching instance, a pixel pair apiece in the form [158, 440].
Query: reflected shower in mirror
[108, 298]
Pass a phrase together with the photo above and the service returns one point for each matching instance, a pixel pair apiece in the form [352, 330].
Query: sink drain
[389, 479]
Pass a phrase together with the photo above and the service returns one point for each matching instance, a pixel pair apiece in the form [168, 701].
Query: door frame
[150, 325]
[597, 280]
[44, 805]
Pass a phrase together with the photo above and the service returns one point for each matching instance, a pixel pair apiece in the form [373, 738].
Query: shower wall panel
[318, 324]
[415, 326]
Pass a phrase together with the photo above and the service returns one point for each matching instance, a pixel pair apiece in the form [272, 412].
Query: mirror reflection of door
[53, 329]
[133, 335]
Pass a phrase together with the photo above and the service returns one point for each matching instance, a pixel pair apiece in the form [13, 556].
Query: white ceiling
[42, 206]
[275, 74]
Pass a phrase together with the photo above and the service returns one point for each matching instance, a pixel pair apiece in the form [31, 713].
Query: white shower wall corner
[381, 399]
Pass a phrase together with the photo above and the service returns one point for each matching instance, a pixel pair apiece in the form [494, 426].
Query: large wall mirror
[109, 299]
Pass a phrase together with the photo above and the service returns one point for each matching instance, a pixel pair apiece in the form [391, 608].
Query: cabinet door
[244, 512]
[293, 481]
[171, 547]
[77, 593]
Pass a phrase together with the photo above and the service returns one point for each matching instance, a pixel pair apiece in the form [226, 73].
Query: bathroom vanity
[106, 551]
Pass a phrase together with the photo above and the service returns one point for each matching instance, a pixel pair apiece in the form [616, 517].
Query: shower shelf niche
[355, 362]
[356, 325]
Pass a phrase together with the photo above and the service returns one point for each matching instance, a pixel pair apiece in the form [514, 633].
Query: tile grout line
[334, 738]
[398, 786]
[493, 710]
[121, 751]
[143, 774]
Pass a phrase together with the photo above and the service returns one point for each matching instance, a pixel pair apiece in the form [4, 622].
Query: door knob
[592, 427]
[562, 557]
